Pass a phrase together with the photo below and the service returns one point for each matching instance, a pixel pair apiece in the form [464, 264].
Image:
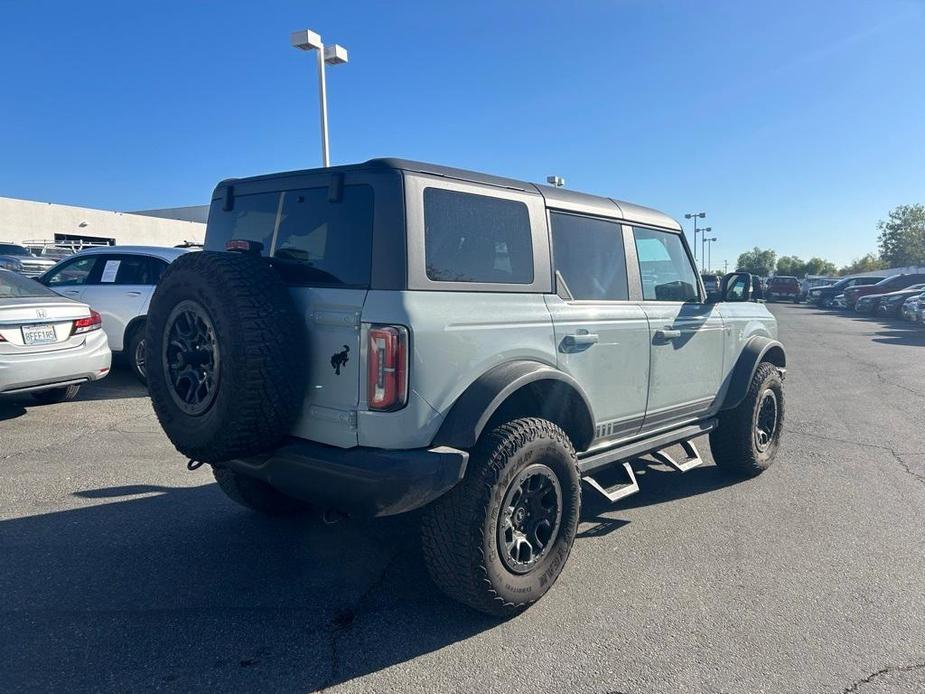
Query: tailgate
[332, 322]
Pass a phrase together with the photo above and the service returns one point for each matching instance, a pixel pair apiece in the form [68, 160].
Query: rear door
[319, 233]
[602, 337]
[686, 334]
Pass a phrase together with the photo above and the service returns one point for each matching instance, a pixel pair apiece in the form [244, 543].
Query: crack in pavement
[345, 618]
[114, 427]
[907, 468]
[855, 686]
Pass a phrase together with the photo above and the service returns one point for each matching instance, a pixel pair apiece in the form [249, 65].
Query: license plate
[39, 334]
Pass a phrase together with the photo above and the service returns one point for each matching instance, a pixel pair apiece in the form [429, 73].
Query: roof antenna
[556, 181]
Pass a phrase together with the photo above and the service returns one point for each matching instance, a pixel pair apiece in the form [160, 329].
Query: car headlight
[10, 264]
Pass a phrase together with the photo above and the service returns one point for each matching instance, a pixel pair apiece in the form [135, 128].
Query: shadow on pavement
[149, 587]
[120, 384]
[10, 409]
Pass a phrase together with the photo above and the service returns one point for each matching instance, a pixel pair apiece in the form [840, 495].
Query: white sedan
[117, 281]
[49, 346]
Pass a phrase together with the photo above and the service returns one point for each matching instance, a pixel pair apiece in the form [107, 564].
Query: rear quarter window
[476, 238]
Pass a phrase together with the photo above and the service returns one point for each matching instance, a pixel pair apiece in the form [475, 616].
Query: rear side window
[665, 269]
[589, 254]
[476, 238]
[314, 240]
[131, 270]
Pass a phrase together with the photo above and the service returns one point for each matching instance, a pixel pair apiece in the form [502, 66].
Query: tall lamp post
[703, 245]
[710, 252]
[307, 40]
[694, 216]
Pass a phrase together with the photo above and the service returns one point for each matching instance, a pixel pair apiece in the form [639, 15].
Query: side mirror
[736, 286]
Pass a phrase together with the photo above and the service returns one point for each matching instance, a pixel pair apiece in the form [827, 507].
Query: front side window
[589, 255]
[73, 273]
[476, 238]
[664, 266]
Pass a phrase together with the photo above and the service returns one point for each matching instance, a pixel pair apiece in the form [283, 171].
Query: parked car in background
[20, 259]
[910, 306]
[890, 305]
[810, 282]
[824, 297]
[783, 287]
[49, 345]
[885, 286]
[117, 281]
[839, 302]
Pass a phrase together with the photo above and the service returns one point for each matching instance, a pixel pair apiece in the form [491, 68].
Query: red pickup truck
[783, 287]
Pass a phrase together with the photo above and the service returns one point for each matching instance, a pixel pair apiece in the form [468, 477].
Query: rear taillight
[86, 325]
[387, 367]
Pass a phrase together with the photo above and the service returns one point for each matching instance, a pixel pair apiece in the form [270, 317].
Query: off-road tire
[135, 338]
[256, 495]
[460, 529]
[260, 378]
[56, 395]
[733, 443]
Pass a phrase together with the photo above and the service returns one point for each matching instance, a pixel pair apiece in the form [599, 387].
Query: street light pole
[694, 216]
[703, 245]
[307, 40]
[710, 251]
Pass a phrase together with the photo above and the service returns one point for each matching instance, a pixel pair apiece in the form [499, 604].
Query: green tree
[791, 265]
[902, 236]
[818, 266]
[869, 263]
[757, 261]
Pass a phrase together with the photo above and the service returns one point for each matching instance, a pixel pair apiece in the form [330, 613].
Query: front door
[602, 338]
[686, 334]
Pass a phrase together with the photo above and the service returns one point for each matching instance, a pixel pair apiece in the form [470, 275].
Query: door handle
[579, 342]
[133, 293]
[666, 335]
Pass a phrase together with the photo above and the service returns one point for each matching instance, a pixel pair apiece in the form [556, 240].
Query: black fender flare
[756, 350]
[474, 408]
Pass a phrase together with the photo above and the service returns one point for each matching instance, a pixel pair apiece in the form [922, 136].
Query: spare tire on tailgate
[225, 356]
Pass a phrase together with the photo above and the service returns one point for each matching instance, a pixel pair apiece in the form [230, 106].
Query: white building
[27, 220]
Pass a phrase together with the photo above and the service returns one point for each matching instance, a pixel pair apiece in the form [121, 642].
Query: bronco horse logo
[339, 359]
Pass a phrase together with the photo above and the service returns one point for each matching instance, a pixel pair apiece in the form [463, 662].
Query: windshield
[13, 249]
[13, 286]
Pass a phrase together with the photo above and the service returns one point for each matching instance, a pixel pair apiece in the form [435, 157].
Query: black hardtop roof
[555, 197]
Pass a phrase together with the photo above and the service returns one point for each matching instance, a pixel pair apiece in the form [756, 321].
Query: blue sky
[795, 125]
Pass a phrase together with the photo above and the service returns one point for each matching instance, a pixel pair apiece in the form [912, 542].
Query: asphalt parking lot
[121, 571]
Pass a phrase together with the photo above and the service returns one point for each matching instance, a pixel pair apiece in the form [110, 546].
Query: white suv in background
[118, 282]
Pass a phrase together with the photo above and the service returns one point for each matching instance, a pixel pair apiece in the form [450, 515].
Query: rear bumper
[358, 481]
[23, 373]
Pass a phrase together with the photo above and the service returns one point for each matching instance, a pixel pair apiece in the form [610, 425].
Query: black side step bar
[654, 445]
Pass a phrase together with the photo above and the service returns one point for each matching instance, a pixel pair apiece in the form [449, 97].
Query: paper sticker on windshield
[110, 271]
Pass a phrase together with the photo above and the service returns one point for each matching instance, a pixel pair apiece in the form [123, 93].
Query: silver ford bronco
[382, 337]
